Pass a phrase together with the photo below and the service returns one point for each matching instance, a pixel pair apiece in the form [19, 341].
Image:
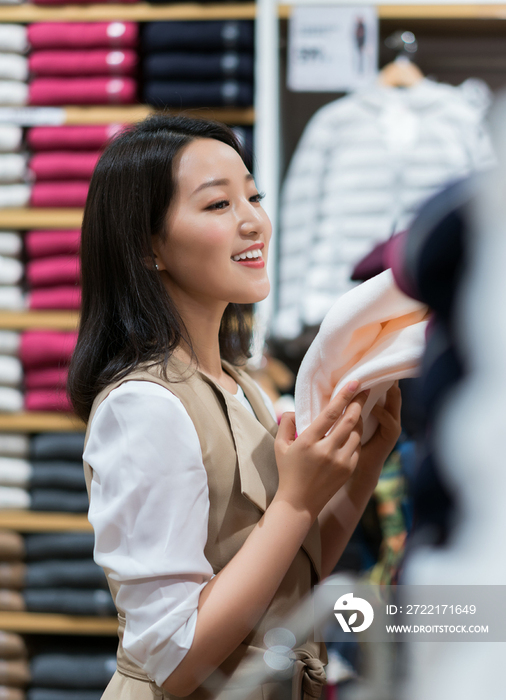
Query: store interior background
[41, 646]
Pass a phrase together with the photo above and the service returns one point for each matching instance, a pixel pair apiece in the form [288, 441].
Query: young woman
[210, 526]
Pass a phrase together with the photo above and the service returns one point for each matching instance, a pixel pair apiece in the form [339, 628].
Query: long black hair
[127, 315]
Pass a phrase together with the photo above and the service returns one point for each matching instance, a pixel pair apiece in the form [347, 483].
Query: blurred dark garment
[59, 500]
[77, 573]
[38, 547]
[198, 66]
[69, 601]
[226, 93]
[55, 694]
[430, 266]
[200, 35]
[57, 445]
[72, 670]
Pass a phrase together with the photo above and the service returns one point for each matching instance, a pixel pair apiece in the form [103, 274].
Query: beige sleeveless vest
[238, 455]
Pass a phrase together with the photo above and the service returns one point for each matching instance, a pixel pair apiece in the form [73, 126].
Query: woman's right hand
[314, 466]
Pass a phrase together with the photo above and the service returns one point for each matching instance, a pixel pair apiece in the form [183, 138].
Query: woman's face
[215, 217]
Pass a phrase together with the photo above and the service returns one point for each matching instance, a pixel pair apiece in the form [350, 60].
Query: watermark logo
[349, 603]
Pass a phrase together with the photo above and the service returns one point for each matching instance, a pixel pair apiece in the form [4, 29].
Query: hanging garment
[374, 334]
[362, 169]
[70, 138]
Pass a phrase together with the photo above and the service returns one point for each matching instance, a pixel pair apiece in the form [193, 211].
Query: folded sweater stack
[50, 479]
[54, 668]
[196, 64]
[37, 361]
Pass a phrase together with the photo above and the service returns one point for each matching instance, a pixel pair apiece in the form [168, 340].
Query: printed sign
[332, 49]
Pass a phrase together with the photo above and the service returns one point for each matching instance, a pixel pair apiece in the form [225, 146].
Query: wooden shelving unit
[138, 12]
[429, 11]
[31, 521]
[43, 422]
[46, 623]
[48, 320]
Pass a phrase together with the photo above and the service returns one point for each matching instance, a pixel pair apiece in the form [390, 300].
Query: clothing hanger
[401, 72]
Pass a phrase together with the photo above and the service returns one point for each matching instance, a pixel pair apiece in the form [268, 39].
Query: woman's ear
[156, 259]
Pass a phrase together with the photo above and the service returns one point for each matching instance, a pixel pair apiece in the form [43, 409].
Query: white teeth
[249, 255]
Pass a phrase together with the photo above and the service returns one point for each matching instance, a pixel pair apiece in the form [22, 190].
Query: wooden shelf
[138, 12]
[31, 521]
[43, 422]
[429, 11]
[47, 623]
[26, 218]
[53, 320]
[134, 113]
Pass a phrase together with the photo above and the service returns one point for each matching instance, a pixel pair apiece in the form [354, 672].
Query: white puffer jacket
[362, 168]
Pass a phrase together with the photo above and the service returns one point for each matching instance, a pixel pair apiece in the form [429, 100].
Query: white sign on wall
[332, 49]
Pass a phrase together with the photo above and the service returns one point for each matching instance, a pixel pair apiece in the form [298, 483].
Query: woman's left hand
[376, 450]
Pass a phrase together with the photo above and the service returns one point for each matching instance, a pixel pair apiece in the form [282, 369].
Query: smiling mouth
[248, 255]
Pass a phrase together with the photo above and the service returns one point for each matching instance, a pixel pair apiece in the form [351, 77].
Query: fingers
[331, 413]
[286, 429]
[385, 418]
[349, 421]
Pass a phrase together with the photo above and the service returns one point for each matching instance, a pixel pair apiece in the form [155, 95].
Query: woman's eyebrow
[211, 183]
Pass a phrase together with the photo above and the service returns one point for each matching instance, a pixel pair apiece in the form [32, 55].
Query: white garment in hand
[374, 334]
[149, 507]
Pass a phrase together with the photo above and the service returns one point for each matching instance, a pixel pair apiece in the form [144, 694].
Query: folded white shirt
[12, 298]
[12, 497]
[15, 472]
[374, 334]
[11, 270]
[11, 242]
[13, 92]
[9, 344]
[14, 444]
[15, 195]
[13, 66]
[11, 400]
[13, 37]
[13, 167]
[11, 137]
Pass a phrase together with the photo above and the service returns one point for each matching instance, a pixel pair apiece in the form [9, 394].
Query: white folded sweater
[374, 334]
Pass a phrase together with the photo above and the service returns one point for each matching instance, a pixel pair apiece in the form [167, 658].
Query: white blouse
[149, 508]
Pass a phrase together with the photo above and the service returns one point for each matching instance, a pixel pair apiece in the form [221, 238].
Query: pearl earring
[156, 265]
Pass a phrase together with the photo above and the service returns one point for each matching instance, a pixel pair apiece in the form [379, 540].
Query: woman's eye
[257, 197]
[219, 205]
